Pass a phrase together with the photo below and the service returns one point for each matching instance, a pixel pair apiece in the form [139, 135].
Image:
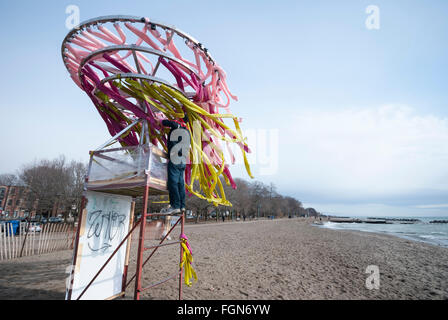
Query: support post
[26, 235]
[181, 254]
[128, 249]
[141, 246]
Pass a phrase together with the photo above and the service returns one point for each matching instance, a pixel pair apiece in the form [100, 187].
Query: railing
[28, 242]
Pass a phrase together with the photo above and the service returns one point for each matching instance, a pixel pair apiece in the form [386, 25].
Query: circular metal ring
[132, 19]
[142, 77]
[131, 48]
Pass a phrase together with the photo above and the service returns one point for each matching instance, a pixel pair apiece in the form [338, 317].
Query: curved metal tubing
[142, 77]
[132, 19]
[131, 48]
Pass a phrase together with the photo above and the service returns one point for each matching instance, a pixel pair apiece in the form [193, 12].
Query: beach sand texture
[267, 259]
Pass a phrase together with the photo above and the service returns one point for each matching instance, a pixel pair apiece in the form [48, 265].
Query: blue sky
[361, 115]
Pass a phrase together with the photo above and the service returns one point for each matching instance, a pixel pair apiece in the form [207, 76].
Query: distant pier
[373, 220]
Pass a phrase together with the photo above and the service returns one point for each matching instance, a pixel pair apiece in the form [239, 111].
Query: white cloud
[432, 206]
[367, 151]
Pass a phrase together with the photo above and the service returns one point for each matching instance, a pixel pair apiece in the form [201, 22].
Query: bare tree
[198, 205]
[52, 183]
[239, 197]
[77, 172]
[8, 179]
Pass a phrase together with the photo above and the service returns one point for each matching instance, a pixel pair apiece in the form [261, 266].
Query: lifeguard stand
[132, 171]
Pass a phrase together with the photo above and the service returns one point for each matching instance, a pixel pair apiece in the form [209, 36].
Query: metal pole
[154, 251]
[117, 135]
[26, 235]
[164, 50]
[181, 255]
[145, 128]
[141, 247]
[128, 249]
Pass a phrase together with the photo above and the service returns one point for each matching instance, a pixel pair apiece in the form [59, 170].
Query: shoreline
[386, 233]
[264, 260]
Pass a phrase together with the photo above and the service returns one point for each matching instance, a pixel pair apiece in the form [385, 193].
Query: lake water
[424, 231]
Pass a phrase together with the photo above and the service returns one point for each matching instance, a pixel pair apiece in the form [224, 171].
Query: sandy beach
[266, 259]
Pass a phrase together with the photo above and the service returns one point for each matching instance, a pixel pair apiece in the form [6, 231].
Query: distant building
[14, 203]
[2, 196]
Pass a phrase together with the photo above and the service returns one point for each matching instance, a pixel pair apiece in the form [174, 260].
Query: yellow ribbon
[174, 105]
[187, 260]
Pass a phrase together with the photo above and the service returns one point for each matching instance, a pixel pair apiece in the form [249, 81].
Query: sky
[349, 119]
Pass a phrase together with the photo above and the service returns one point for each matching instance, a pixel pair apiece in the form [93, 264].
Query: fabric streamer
[187, 260]
[105, 64]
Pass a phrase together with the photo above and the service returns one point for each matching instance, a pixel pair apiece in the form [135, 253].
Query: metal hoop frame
[131, 47]
[133, 19]
[142, 77]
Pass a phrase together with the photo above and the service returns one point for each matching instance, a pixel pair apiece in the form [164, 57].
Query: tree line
[251, 199]
[58, 182]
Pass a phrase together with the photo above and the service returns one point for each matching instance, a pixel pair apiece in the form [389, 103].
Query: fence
[52, 237]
